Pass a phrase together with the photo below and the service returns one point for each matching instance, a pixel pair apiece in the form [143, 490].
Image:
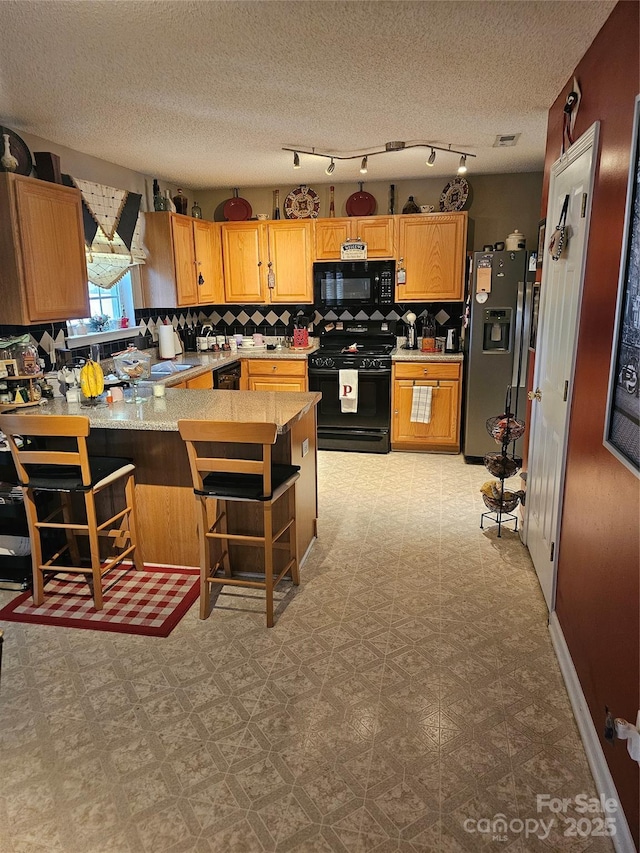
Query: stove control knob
[328, 362]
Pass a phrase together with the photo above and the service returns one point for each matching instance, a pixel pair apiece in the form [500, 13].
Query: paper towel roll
[166, 343]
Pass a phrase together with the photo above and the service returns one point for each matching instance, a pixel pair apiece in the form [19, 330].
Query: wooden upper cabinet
[207, 242]
[184, 265]
[244, 249]
[184, 257]
[330, 235]
[431, 249]
[291, 257]
[43, 270]
[378, 232]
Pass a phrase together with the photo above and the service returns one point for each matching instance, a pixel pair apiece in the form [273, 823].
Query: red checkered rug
[150, 602]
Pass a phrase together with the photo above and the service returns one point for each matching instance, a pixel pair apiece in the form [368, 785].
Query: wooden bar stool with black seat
[42, 467]
[259, 481]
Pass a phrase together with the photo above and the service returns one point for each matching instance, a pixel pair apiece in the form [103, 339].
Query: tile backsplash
[272, 320]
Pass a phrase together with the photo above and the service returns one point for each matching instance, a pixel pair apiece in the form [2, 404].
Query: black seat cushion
[67, 478]
[247, 487]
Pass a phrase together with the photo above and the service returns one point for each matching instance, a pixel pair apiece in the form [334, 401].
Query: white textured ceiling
[205, 94]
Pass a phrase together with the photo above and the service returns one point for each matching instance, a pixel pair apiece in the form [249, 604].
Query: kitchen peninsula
[148, 434]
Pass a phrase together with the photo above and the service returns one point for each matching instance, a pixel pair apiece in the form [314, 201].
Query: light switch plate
[305, 446]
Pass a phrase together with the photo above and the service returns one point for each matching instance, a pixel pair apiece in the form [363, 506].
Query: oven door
[365, 430]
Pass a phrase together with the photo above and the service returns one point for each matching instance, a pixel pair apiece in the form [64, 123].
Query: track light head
[296, 160]
[330, 167]
[462, 168]
[363, 165]
[432, 158]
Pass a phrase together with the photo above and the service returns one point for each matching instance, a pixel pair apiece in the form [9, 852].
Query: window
[105, 303]
[113, 304]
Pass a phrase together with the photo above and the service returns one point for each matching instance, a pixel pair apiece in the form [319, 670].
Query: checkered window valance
[112, 231]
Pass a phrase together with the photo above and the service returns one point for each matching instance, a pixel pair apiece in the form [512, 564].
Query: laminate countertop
[161, 414]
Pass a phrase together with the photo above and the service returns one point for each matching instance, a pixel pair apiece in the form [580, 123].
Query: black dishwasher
[227, 377]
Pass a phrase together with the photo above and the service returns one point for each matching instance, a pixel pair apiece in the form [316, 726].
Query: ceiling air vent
[507, 140]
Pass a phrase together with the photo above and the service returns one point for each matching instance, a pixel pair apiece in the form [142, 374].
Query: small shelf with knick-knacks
[19, 390]
[501, 502]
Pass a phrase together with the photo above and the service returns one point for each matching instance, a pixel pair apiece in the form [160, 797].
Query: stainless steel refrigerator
[496, 343]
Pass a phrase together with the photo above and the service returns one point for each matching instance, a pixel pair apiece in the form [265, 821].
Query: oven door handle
[322, 372]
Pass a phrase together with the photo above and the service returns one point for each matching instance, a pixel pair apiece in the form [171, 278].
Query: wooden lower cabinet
[274, 375]
[205, 380]
[442, 433]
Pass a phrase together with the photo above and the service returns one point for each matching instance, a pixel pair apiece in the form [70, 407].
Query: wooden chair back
[47, 426]
[195, 433]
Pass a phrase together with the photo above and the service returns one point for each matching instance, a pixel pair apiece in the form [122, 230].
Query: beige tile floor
[409, 686]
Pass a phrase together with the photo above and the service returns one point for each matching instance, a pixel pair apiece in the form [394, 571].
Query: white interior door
[561, 294]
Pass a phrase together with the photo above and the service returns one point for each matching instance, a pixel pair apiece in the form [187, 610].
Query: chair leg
[130, 498]
[224, 528]
[293, 538]
[268, 560]
[94, 548]
[205, 556]
[36, 546]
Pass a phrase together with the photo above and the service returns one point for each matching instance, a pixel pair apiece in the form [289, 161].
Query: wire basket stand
[504, 429]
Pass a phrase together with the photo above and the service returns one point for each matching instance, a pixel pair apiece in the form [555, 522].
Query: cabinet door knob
[200, 280]
[274, 367]
[425, 370]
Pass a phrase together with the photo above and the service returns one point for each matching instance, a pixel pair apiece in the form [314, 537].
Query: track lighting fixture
[388, 148]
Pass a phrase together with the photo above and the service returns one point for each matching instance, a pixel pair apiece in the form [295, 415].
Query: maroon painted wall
[598, 591]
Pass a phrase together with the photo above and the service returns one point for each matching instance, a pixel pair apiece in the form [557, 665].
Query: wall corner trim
[622, 840]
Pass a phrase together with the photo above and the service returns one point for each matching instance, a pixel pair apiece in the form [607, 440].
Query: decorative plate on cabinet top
[454, 195]
[302, 203]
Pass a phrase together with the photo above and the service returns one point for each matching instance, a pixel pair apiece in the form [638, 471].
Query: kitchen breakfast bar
[148, 434]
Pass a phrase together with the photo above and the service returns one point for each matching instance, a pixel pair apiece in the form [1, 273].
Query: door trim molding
[622, 840]
[589, 139]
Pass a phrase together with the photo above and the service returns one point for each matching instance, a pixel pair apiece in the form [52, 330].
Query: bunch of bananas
[92, 379]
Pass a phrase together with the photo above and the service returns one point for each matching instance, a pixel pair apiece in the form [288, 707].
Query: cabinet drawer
[276, 367]
[427, 370]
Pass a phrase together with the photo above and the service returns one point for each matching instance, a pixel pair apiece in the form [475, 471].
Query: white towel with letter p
[348, 390]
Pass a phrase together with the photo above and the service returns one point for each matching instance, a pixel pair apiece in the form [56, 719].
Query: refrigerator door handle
[526, 330]
[518, 339]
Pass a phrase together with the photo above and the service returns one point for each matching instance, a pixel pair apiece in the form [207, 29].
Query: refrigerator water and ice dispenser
[496, 330]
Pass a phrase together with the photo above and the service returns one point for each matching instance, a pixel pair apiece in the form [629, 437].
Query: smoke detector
[507, 140]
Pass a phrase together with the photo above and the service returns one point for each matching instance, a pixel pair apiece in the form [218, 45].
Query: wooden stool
[258, 481]
[69, 472]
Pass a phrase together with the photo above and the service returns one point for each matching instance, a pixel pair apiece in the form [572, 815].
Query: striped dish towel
[421, 404]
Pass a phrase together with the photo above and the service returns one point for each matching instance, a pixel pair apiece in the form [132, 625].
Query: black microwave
[343, 283]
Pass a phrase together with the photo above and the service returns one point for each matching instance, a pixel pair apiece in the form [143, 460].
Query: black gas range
[364, 349]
